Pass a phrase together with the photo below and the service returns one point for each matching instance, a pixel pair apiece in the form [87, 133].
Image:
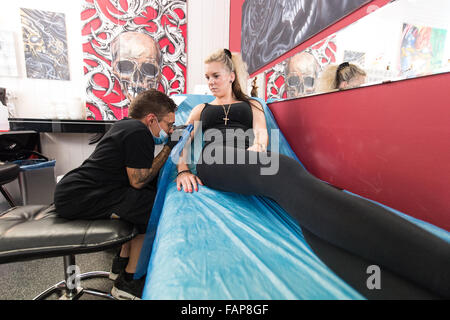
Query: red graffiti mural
[130, 46]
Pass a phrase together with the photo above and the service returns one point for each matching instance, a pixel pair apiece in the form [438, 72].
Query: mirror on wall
[401, 40]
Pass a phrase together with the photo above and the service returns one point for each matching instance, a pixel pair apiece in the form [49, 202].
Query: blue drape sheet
[218, 245]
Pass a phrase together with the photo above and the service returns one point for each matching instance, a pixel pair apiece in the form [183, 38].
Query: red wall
[389, 143]
[235, 29]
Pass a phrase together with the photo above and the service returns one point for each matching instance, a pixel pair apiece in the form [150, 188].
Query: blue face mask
[163, 136]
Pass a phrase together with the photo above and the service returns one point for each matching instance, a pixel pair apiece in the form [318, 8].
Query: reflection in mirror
[324, 53]
[341, 77]
[301, 74]
[404, 39]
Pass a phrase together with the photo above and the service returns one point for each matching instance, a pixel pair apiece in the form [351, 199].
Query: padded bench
[36, 231]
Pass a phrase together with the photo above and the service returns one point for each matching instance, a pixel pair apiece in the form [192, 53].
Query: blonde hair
[254, 92]
[234, 64]
[333, 75]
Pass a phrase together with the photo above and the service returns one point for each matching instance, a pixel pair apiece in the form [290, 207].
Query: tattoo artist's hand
[171, 143]
[175, 136]
[188, 182]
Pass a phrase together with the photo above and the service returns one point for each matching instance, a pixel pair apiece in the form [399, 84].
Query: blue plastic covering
[218, 245]
[34, 164]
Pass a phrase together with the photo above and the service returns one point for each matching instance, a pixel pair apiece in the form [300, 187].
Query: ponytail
[254, 92]
[239, 85]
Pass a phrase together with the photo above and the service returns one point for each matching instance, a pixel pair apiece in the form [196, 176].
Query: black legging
[357, 225]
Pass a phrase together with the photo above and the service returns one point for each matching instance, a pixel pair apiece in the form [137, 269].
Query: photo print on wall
[45, 44]
[270, 28]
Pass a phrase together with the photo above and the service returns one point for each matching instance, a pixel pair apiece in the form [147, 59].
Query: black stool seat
[35, 232]
[31, 232]
[8, 172]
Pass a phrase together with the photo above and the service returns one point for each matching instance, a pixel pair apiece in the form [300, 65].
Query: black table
[60, 126]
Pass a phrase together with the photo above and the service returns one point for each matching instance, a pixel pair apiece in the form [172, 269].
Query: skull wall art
[130, 46]
[136, 62]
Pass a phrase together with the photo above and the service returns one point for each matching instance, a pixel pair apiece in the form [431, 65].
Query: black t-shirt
[128, 143]
[103, 175]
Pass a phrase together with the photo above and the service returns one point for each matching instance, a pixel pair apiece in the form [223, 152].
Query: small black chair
[36, 231]
[8, 172]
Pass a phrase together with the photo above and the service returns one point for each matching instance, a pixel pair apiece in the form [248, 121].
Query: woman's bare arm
[259, 128]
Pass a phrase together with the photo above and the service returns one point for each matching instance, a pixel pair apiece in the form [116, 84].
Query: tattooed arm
[140, 177]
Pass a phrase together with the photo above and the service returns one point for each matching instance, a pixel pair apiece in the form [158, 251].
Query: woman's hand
[258, 147]
[188, 181]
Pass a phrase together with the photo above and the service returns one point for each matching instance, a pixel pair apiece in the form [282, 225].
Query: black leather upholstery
[31, 232]
[8, 172]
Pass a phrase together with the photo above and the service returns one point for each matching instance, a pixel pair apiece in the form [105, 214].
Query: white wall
[208, 30]
[40, 98]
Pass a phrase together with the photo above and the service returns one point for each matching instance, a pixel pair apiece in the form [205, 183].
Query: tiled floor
[25, 280]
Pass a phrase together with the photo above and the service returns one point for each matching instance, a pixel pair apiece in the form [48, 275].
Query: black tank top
[240, 117]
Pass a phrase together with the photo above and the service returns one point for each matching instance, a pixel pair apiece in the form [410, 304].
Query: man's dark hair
[151, 101]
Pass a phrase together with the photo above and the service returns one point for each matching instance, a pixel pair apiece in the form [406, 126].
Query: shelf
[60, 126]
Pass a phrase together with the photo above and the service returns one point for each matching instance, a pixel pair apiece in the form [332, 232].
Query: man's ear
[159, 80]
[151, 117]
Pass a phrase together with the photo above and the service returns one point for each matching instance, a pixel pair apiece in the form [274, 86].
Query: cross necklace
[226, 113]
